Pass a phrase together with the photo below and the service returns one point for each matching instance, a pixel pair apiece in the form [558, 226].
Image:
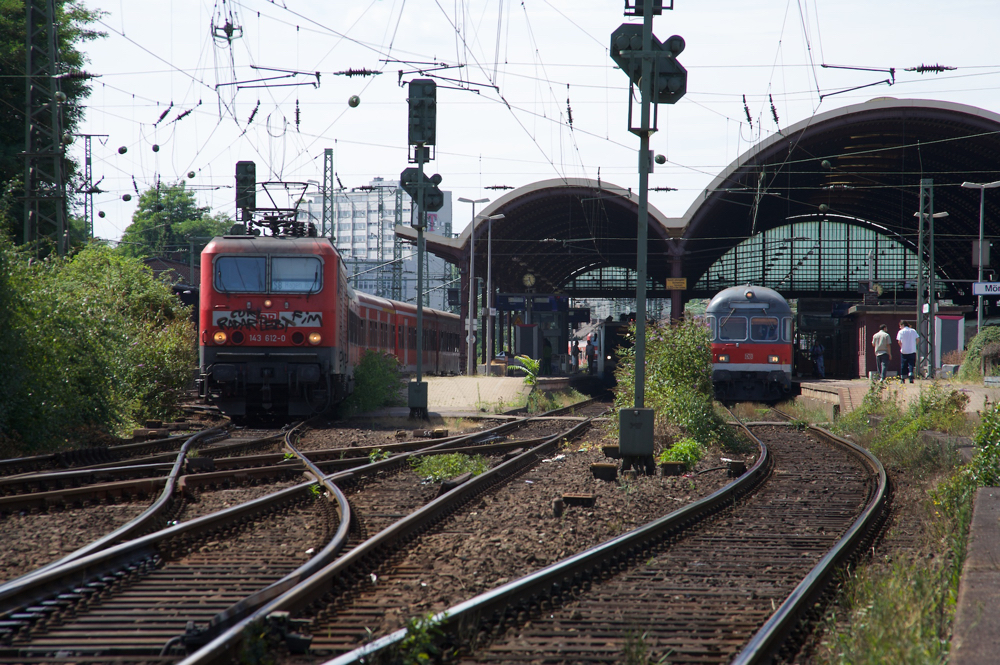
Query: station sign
[986, 288]
[678, 283]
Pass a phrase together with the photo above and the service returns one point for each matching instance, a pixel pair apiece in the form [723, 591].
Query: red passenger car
[751, 344]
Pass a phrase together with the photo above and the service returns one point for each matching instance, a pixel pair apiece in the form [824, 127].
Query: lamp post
[470, 365]
[489, 291]
[982, 209]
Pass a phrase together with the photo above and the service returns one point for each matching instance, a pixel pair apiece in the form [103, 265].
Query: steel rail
[22, 593]
[127, 530]
[766, 643]
[196, 639]
[465, 618]
[223, 647]
[74, 478]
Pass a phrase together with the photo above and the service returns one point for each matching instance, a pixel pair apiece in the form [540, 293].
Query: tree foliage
[73, 28]
[88, 342]
[167, 220]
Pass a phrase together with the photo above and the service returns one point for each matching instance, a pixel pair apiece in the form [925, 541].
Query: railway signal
[669, 76]
[246, 188]
[652, 67]
[422, 133]
[422, 101]
[412, 180]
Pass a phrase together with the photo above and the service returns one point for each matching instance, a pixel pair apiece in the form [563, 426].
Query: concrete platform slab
[848, 394]
[976, 634]
[461, 396]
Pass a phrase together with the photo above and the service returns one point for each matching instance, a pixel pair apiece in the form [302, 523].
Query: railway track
[728, 577]
[55, 614]
[378, 502]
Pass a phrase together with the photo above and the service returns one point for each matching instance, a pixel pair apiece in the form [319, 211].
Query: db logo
[269, 316]
[747, 356]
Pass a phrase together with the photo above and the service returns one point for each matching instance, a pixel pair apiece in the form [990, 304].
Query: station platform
[976, 632]
[467, 396]
[845, 395]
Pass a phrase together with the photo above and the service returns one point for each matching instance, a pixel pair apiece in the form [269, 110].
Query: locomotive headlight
[773, 359]
[315, 338]
[267, 303]
[219, 337]
[724, 358]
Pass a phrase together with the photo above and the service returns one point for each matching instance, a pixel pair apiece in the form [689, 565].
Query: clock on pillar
[528, 280]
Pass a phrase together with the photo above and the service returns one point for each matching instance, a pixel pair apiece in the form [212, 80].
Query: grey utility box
[416, 395]
[635, 431]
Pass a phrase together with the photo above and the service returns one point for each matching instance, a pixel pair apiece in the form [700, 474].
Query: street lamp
[470, 352]
[489, 290]
[982, 209]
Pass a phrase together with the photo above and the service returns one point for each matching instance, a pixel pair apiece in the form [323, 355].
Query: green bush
[678, 381]
[686, 450]
[88, 342]
[971, 369]
[377, 384]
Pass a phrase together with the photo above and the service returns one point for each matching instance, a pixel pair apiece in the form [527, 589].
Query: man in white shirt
[907, 338]
[882, 344]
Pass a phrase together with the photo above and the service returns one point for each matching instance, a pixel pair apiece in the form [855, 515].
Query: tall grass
[901, 610]
[891, 430]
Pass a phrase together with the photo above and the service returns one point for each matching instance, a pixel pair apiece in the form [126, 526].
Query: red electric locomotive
[282, 329]
[751, 344]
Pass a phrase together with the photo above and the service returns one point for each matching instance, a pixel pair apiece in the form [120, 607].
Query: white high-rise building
[361, 225]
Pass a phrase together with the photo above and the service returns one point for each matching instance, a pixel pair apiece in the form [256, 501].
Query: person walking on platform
[907, 338]
[882, 344]
[816, 353]
[576, 355]
[591, 356]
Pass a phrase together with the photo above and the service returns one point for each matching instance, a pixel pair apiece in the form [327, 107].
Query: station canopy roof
[808, 211]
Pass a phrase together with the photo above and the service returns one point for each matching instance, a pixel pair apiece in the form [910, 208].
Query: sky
[526, 90]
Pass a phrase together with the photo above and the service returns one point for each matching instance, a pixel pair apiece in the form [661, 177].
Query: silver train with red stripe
[751, 344]
[281, 328]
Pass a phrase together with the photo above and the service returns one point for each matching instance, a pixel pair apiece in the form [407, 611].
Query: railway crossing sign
[986, 288]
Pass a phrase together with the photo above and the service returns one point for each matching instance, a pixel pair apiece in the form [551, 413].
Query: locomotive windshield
[299, 274]
[764, 328]
[249, 274]
[240, 274]
[733, 329]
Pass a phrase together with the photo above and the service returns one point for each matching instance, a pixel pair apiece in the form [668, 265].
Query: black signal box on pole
[423, 112]
[246, 188]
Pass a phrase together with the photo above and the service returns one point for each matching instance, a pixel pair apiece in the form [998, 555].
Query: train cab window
[733, 329]
[710, 322]
[764, 328]
[296, 274]
[786, 325]
[240, 274]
